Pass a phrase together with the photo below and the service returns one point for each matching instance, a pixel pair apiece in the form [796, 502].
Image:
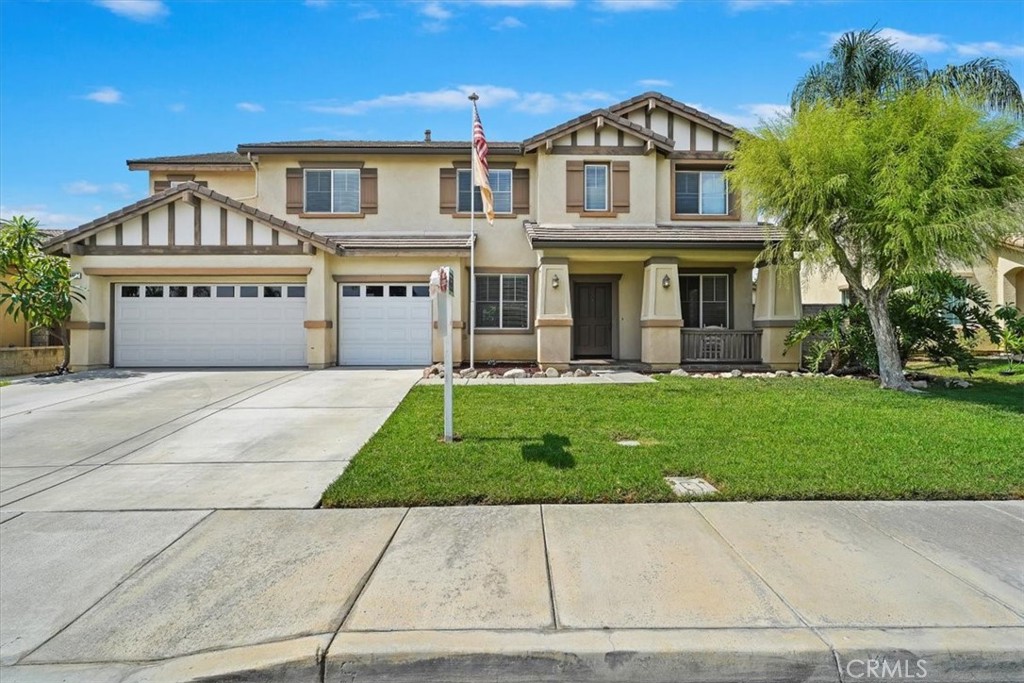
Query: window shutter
[574, 186]
[448, 190]
[160, 185]
[521, 190]
[293, 190]
[368, 190]
[620, 186]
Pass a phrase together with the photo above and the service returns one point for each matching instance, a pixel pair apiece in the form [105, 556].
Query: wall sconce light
[666, 282]
[554, 281]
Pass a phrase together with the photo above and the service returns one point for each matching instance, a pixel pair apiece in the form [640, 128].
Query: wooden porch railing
[710, 345]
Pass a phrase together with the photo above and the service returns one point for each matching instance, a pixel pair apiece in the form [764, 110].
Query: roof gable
[188, 193]
[600, 118]
[653, 100]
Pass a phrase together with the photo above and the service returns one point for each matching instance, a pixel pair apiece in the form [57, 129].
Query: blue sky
[86, 85]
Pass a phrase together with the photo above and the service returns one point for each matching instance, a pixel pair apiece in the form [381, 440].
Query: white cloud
[654, 83]
[317, 4]
[747, 115]
[106, 95]
[84, 187]
[250, 107]
[437, 16]
[46, 217]
[136, 10]
[915, 42]
[455, 98]
[508, 23]
[445, 98]
[635, 5]
[744, 5]
[989, 48]
[177, 107]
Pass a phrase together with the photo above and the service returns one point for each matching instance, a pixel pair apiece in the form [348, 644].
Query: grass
[4, 383]
[778, 439]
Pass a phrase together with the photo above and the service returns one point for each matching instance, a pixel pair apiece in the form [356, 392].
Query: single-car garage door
[384, 324]
[209, 325]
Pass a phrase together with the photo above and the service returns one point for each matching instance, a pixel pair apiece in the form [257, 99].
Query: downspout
[256, 171]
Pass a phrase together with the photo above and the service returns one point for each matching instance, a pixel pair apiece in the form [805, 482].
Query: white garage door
[209, 325]
[384, 324]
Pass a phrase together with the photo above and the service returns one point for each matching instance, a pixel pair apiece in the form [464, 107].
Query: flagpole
[472, 239]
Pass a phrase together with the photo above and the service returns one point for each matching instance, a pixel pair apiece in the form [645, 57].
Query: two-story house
[616, 236]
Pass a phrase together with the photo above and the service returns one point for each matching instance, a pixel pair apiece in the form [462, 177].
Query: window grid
[503, 302]
[712, 292]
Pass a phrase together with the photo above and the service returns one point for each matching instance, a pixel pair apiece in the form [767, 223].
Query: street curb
[651, 656]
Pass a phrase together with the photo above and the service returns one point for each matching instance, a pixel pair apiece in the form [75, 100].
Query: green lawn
[754, 439]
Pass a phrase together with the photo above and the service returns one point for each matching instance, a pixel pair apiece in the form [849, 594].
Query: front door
[592, 319]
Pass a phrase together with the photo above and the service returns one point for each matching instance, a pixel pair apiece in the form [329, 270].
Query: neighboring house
[1001, 275]
[616, 237]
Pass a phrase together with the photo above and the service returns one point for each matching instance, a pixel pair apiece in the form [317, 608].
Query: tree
[938, 315]
[865, 65]
[885, 190]
[1012, 334]
[37, 287]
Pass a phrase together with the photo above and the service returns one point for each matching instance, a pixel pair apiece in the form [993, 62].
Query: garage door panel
[384, 330]
[189, 331]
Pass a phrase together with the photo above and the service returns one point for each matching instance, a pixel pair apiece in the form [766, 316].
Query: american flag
[480, 169]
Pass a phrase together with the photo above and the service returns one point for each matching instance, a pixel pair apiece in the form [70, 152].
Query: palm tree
[864, 65]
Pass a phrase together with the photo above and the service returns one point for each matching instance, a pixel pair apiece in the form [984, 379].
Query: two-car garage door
[209, 325]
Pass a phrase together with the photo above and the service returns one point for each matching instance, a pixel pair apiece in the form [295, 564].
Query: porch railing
[709, 345]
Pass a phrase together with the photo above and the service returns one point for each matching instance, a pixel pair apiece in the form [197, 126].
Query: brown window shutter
[368, 190]
[620, 186]
[294, 191]
[521, 190]
[734, 203]
[448, 190]
[574, 186]
[160, 185]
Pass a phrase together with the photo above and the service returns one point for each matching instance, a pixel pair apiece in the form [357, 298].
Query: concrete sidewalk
[802, 591]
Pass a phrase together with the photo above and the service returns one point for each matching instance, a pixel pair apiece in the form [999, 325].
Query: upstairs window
[704, 193]
[332, 191]
[501, 188]
[595, 187]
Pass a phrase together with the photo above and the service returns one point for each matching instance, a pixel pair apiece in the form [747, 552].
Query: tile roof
[384, 241]
[1014, 241]
[382, 146]
[211, 158]
[670, 103]
[738, 236]
[131, 210]
[612, 118]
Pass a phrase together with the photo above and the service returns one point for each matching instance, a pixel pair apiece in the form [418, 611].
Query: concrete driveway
[180, 440]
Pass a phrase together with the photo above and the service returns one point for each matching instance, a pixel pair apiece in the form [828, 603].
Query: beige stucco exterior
[222, 242]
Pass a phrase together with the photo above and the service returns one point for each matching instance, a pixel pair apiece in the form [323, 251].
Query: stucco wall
[551, 200]
[236, 184]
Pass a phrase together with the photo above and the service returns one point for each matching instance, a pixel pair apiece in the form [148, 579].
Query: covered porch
[663, 305]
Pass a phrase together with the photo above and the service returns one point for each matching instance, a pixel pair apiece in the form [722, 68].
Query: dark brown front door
[592, 319]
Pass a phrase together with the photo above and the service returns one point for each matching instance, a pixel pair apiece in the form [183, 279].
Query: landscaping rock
[736, 373]
[515, 373]
[679, 372]
[551, 372]
[427, 372]
[580, 372]
[468, 373]
[568, 373]
[484, 375]
[538, 375]
[782, 373]
[726, 375]
[919, 384]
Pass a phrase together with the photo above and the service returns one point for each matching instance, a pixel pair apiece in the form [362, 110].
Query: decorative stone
[551, 372]
[514, 373]
[580, 372]
[679, 372]
[736, 373]
[427, 372]
[690, 486]
[782, 373]
[568, 373]
[468, 374]
[484, 375]
[538, 375]
[919, 384]
[726, 375]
